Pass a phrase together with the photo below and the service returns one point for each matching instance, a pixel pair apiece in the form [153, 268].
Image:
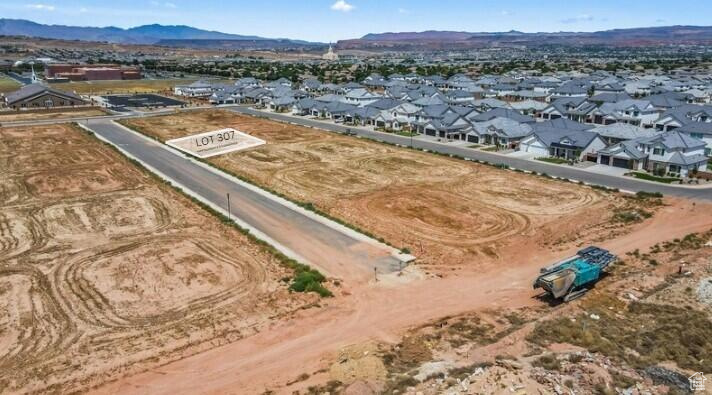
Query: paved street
[336, 252]
[627, 184]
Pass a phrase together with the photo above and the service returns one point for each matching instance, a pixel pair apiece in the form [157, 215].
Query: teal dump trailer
[571, 277]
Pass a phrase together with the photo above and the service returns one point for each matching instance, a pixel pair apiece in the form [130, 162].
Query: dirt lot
[105, 271]
[644, 329]
[10, 116]
[449, 213]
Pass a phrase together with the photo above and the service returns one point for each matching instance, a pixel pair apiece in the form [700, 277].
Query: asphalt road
[627, 184]
[335, 252]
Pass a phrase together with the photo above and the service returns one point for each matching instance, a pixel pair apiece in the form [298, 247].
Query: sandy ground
[485, 233]
[379, 312]
[449, 213]
[33, 116]
[104, 271]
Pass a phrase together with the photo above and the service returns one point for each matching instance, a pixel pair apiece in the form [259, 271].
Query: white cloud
[506, 13]
[403, 11]
[342, 5]
[42, 7]
[83, 9]
[169, 5]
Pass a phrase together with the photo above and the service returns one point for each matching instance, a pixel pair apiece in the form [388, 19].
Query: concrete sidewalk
[303, 235]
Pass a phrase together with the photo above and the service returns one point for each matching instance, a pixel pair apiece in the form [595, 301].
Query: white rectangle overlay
[218, 142]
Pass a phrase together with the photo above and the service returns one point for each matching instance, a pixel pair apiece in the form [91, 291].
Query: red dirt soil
[381, 311]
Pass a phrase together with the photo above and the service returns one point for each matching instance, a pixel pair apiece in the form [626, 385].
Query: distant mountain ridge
[146, 34]
[434, 39]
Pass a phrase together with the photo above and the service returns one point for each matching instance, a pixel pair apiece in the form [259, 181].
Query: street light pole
[229, 216]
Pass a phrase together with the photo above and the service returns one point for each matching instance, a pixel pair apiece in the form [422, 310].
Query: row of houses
[589, 117]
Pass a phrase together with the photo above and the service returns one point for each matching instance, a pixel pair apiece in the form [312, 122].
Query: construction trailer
[573, 276]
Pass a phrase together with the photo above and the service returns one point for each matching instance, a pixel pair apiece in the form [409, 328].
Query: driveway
[609, 170]
[522, 155]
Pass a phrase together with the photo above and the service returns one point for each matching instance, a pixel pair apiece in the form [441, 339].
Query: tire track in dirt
[105, 271]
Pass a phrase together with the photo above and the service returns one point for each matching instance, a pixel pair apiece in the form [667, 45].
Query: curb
[404, 258]
[257, 233]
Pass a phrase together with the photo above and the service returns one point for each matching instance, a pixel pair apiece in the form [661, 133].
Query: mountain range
[634, 37]
[190, 37]
[147, 34]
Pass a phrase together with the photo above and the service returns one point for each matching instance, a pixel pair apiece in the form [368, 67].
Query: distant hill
[147, 34]
[635, 37]
[237, 45]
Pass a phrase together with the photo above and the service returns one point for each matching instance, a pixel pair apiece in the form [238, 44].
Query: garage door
[472, 139]
[430, 132]
[623, 163]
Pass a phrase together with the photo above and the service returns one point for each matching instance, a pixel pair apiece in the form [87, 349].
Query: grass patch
[648, 195]
[650, 177]
[307, 279]
[490, 149]
[121, 86]
[474, 146]
[7, 84]
[557, 161]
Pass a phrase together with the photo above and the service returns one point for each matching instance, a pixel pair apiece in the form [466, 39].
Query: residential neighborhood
[598, 119]
[352, 197]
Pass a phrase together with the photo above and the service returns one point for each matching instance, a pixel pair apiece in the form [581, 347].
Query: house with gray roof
[499, 131]
[502, 113]
[701, 131]
[563, 143]
[361, 97]
[195, 89]
[37, 96]
[451, 126]
[529, 107]
[559, 108]
[669, 153]
[680, 116]
[634, 112]
[617, 132]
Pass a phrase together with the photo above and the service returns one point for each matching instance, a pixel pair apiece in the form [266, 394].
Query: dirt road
[379, 311]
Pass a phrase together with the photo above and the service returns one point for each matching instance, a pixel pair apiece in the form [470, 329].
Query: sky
[333, 20]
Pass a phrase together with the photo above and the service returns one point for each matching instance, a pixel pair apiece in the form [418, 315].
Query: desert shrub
[548, 362]
[309, 280]
[648, 195]
[656, 333]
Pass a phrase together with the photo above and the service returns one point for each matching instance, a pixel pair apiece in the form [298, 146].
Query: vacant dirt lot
[644, 329]
[448, 212]
[10, 116]
[105, 271]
